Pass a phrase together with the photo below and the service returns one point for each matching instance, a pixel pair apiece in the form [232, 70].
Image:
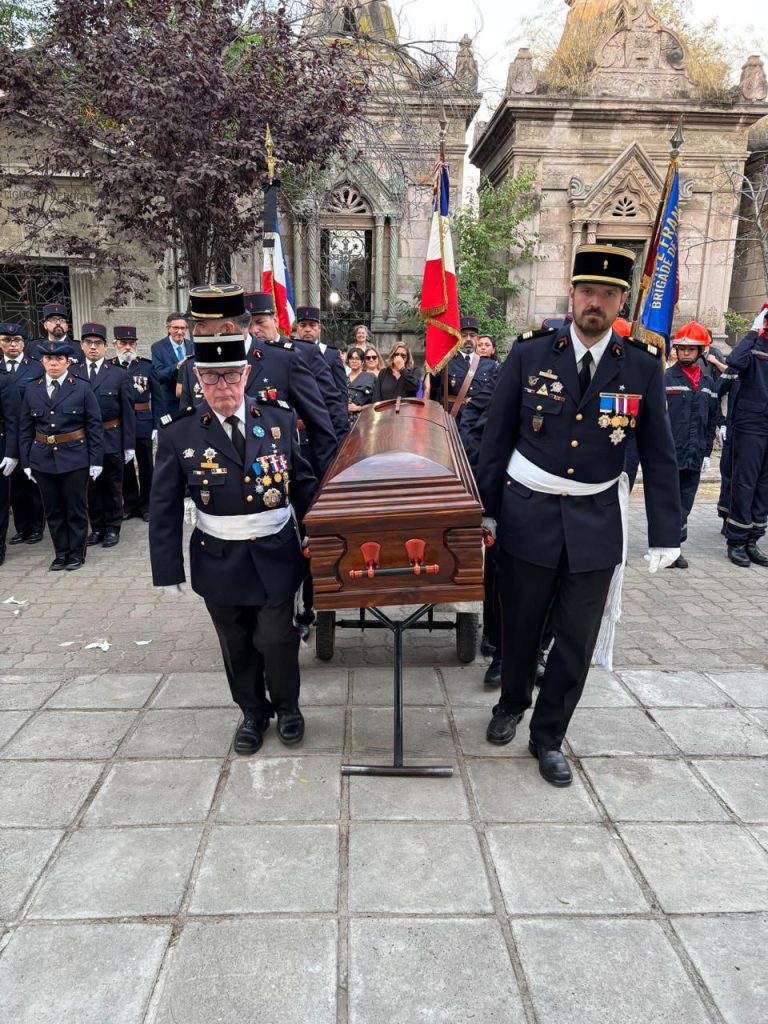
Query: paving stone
[10, 723]
[749, 689]
[393, 868]
[23, 855]
[615, 731]
[155, 792]
[376, 686]
[436, 971]
[43, 794]
[563, 869]
[84, 973]
[700, 869]
[71, 734]
[726, 953]
[107, 691]
[282, 789]
[426, 733]
[127, 872]
[674, 689]
[713, 731]
[439, 799]
[194, 690]
[285, 869]
[324, 685]
[17, 693]
[594, 971]
[761, 717]
[604, 690]
[471, 724]
[183, 732]
[274, 971]
[742, 784]
[651, 789]
[464, 685]
[324, 734]
[513, 790]
[760, 832]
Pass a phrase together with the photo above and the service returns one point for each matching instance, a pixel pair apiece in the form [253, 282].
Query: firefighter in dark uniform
[56, 327]
[727, 392]
[693, 409]
[61, 444]
[748, 504]
[333, 383]
[137, 473]
[459, 366]
[113, 391]
[250, 485]
[9, 450]
[23, 369]
[550, 478]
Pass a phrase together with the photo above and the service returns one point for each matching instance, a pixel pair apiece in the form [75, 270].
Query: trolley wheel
[325, 630]
[467, 625]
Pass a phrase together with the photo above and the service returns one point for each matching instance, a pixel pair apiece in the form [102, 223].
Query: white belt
[254, 524]
[531, 475]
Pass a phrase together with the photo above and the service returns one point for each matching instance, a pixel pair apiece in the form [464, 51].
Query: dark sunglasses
[371, 359]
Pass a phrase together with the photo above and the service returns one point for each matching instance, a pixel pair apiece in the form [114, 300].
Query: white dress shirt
[228, 426]
[597, 350]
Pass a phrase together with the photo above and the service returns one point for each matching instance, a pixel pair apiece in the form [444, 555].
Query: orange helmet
[622, 326]
[692, 334]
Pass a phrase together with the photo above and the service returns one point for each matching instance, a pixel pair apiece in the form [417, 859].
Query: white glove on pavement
[128, 455]
[190, 512]
[661, 558]
[8, 465]
[95, 472]
[722, 432]
[490, 525]
[706, 464]
[28, 474]
[174, 590]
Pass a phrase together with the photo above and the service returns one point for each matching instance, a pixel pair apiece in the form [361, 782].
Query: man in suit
[550, 478]
[61, 444]
[237, 457]
[137, 473]
[112, 389]
[22, 369]
[9, 449]
[168, 354]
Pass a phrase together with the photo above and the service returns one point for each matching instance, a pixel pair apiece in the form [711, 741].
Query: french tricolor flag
[275, 279]
[439, 299]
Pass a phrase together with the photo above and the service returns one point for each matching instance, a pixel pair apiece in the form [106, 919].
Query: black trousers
[66, 507]
[26, 503]
[258, 641]
[689, 484]
[726, 460]
[491, 617]
[5, 500]
[571, 603]
[105, 496]
[136, 487]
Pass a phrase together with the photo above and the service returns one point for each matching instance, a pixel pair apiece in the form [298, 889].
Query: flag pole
[443, 131]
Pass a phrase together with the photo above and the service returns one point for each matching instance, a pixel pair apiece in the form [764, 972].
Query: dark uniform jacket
[10, 407]
[332, 388]
[140, 373]
[537, 409]
[750, 360]
[693, 415]
[194, 452]
[29, 370]
[74, 407]
[457, 370]
[113, 393]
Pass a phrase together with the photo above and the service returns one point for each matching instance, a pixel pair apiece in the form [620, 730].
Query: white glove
[190, 512]
[661, 558]
[154, 436]
[490, 525]
[706, 464]
[95, 472]
[8, 465]
[174, 590]
[128, 455]
[721, 431]
[28, 474]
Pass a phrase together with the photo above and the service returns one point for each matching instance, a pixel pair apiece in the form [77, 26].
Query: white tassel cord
[603, 652]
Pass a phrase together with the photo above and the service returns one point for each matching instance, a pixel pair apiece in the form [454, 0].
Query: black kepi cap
[124, 332]
[469, 323]
[95, 329]
[216, 302]
[54, 309]
[219, 350]
[603, 264]
[307, 313]
[9, 328]
[257, 303]
[55, 348]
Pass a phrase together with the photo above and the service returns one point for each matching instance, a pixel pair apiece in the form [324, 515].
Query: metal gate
[25, 290]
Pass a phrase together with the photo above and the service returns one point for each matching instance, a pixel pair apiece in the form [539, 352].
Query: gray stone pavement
[148, 876]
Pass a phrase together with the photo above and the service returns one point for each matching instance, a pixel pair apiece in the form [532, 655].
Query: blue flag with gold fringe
[663, 283]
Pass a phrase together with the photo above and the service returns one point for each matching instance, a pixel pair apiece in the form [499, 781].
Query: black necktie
[584, 373]
[237, 438]
[12, 368]
[54, 388]
[92, 372]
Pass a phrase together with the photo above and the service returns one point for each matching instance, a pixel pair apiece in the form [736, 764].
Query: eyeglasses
[403, 354]
[371, 359]
[212, 379]
[56, 320]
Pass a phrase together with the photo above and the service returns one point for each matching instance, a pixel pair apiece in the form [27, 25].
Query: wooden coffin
[401, 475]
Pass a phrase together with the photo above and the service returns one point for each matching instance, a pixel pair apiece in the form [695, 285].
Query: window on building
[25, 290]
[345, 281]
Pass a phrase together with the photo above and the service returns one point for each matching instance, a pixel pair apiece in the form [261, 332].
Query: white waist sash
[530, 475]
[254, 524]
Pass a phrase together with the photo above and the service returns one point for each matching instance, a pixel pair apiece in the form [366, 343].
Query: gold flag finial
[270, 154]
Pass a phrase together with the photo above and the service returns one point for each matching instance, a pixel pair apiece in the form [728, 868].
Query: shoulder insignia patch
[545, 332]
[280, 342]
[646, 346]
[171, 417]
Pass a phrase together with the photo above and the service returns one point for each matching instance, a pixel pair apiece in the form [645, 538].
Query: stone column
[592, 232]
[313, 263]
[378, 266]
[80, 287]
[298, 264]
[394, 255]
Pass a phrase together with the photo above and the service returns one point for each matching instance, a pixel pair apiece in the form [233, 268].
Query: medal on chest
[618, 411]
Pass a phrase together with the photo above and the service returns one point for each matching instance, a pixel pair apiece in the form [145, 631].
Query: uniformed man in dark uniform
[550, 475]
[334, 390]
[250, 486]
[61, 444]
[460, 365]
[748, 505]
[22, 369]
[113, 392]
[137, 473]
[56, 327]
[9, 449]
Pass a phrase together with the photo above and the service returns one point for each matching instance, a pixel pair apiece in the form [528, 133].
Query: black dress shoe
[249, 735]
[737, 553]
[74, 562]
[290, 726]
[502, 727]
[17, 538]
[754, 554]
[57, 565]
[111, 537]
[306, 618]
[33, 538]
[95, 537]
[486, 647]
[682, 563]
[145, 516]
[552, 765]
[493, 672]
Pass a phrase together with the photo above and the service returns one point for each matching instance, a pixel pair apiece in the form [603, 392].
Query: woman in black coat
[360, 384]
[398, 379]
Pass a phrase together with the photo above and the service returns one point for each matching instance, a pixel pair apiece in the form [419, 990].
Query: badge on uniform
[205, 496]
[272, 497]
[188, 453]
[618, 411]
[538, 422]
[275, 433]
[258, 431]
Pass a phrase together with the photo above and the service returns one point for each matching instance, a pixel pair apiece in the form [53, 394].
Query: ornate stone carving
[466, 74]
[643, 58]
[521, 79]
[576, 188]
[480, 127]
[686, 189]
[753, 84]
[629, 188]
